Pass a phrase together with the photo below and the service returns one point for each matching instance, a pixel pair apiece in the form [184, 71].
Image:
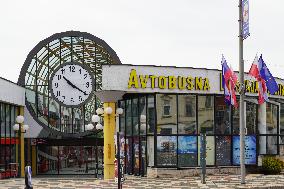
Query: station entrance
[74, 156]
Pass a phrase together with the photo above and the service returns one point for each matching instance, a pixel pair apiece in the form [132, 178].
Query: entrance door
[83, 158]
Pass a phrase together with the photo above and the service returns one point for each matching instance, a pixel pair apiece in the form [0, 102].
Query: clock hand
[74, 86]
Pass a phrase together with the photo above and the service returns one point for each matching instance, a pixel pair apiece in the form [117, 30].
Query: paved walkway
[216, 181]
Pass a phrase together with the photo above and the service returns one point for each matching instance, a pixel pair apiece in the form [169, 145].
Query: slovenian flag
[229, 82]
[265, 79]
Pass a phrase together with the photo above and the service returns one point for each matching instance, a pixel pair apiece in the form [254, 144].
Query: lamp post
[109, 115]
[20, 128]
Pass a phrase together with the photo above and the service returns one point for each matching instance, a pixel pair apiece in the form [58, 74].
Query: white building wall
[11, 93]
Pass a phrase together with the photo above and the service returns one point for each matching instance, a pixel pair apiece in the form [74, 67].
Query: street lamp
[103, 112]
[20, 120]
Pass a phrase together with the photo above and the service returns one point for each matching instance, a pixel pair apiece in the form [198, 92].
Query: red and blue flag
[264, 78]
[229, 82]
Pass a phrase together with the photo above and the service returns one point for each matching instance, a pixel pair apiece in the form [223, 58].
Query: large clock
[61, 75]
[72, 84]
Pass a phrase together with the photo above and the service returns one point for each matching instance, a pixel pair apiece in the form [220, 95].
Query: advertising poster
[210, 150]
[187, 150]
[166, 150]
[223, 150]
[250, 150]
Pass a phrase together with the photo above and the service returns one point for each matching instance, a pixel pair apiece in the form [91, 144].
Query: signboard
[245, 16]
[250, 150]
[162, 79]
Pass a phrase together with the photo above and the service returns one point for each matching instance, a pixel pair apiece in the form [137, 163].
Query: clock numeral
[80, 99]
[72, 68]
[56, 85]
[85, 76]
[87, 84]
[80, 71]
[72, 100]
[59, 77]
[62, 71]
[57, 93]
[63, 97]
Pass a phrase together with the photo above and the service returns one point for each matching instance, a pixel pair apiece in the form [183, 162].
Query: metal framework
[41, 62]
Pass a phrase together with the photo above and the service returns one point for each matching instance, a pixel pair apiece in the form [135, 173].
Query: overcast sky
[155, 32]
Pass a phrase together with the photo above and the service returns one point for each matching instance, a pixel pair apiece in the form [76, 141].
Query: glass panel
[8, 119]
[129, 156]
[210, 150]
[78, 120]
[282, 119]
[251, 118]
[135, 116]
[223, 150]
[272, 144]
[271, 118]
[66, 119]
[236, 121]
[122, 117]
[223, 116]
[136, 155]
[142, 115]
[54, 115]
[150, 151]
[187, 151]
[2, 116]
[42, 104]
[143, 156]
[13, 121]
[151, 116]
[128, 118]
[166, 114]
[187, 114]
[250, 150]
[166, 150]
[206, 113]
[47, 160]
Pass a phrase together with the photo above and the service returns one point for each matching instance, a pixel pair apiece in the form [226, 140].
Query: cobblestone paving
[216, 181]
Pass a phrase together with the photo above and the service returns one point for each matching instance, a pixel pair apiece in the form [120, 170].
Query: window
[268, 118]
[250, 150]
[282, 119]
[151, 116]
[223, 150]
[187, 114]
[206, 113]
[187, 151]
[167, 108]
[251, 118]
[222, 116]
[166, 150]
[210, 150]
[166, 114]
[267, 144]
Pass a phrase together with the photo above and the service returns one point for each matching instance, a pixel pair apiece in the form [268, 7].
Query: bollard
[203, 155]
[28, 177]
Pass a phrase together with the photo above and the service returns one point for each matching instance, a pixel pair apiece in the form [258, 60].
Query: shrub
[271, 165]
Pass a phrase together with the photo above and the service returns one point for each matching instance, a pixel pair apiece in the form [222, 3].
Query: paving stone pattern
[213, 181]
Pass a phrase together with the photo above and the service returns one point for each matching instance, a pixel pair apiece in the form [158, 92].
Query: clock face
[71, 84]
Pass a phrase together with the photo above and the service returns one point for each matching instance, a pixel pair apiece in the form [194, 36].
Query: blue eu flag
[267, 76]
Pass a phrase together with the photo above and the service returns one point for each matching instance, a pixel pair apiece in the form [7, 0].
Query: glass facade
[9, 141]
[166, 127]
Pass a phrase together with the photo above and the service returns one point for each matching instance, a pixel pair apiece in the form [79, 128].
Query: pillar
[109, 129]
[22, 145]
[34, 159]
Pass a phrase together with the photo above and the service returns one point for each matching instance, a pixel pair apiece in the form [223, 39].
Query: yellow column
[33, 160]
[109, 129]
[22, 145]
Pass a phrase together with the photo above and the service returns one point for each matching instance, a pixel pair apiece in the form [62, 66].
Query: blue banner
[245, 17]
[250, 150]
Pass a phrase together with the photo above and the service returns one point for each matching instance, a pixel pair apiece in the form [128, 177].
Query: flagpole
[242, 96]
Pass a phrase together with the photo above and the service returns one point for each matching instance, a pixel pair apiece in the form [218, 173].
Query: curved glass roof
[50, 53]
